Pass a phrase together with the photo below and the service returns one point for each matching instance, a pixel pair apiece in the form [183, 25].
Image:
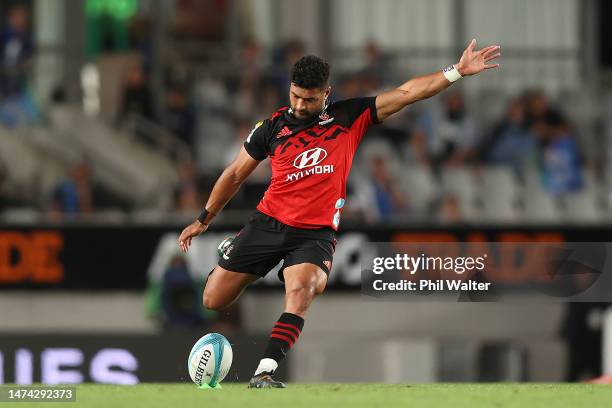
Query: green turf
[341, 395]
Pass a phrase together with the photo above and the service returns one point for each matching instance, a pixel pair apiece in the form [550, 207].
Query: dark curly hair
[310, 72]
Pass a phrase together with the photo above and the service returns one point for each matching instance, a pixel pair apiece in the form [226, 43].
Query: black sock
[283, 336]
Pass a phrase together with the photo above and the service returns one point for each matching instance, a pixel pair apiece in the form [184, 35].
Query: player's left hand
[192, 230]
[472, 62]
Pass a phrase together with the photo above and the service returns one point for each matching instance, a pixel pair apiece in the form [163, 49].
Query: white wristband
[451, 73]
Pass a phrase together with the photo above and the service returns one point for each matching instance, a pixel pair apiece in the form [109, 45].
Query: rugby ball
[210, 360]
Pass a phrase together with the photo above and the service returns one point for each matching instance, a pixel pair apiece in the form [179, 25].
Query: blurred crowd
[531, 137]
[212, 112]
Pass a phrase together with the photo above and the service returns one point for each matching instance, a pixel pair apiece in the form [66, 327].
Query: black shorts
[265, 241]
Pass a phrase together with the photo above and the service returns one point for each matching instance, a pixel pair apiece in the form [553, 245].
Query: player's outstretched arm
[472, 62]
[224, 189]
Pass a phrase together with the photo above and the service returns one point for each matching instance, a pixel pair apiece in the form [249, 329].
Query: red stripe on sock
[282, 337]
[291, 326]
[289, 332]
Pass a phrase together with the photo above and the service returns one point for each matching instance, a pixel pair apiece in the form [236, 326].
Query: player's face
[307, 103]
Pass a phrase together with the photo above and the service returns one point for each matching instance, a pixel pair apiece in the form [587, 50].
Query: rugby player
[311, 145]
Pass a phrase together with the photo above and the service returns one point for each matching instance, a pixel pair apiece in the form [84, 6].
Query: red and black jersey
[310, 161]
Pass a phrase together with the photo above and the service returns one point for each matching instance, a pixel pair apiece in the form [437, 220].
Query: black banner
[130, 258]
[117, 359]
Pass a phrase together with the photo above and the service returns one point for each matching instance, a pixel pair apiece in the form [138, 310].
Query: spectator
[254, 88]
[378, 67]
[179, 114]
[349, 87]
[180, 300]
[16, 105]
[16, 51]
[558, 158]
[136, 98]
[72, 195]
[537, 107]
[251, 63]
[141, 38]
[445, 136]
[510, 143]
[377, 197]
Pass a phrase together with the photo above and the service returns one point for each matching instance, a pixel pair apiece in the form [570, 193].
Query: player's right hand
[472, 61]
[192, 230]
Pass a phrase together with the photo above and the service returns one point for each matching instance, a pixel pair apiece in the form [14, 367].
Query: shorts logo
[327, 264]
[310, 158]
[227, 252]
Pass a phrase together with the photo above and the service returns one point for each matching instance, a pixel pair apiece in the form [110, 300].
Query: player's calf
[303, 283]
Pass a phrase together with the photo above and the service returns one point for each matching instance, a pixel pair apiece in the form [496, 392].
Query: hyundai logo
[310, 158]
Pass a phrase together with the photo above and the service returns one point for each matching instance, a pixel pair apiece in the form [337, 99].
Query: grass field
[342, 395]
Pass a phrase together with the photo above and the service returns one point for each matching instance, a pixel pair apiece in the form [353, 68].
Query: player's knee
[320, 286]
[212, 302]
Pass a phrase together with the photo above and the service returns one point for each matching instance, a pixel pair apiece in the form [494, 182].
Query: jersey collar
[292, 120]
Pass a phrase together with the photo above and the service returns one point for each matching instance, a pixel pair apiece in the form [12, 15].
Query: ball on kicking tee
[210, 360]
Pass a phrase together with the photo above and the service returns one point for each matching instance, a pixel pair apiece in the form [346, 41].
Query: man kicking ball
[311, 146]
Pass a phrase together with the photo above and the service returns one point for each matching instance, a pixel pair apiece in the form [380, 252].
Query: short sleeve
[256, 144]
[364, 108]
[357, 114]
